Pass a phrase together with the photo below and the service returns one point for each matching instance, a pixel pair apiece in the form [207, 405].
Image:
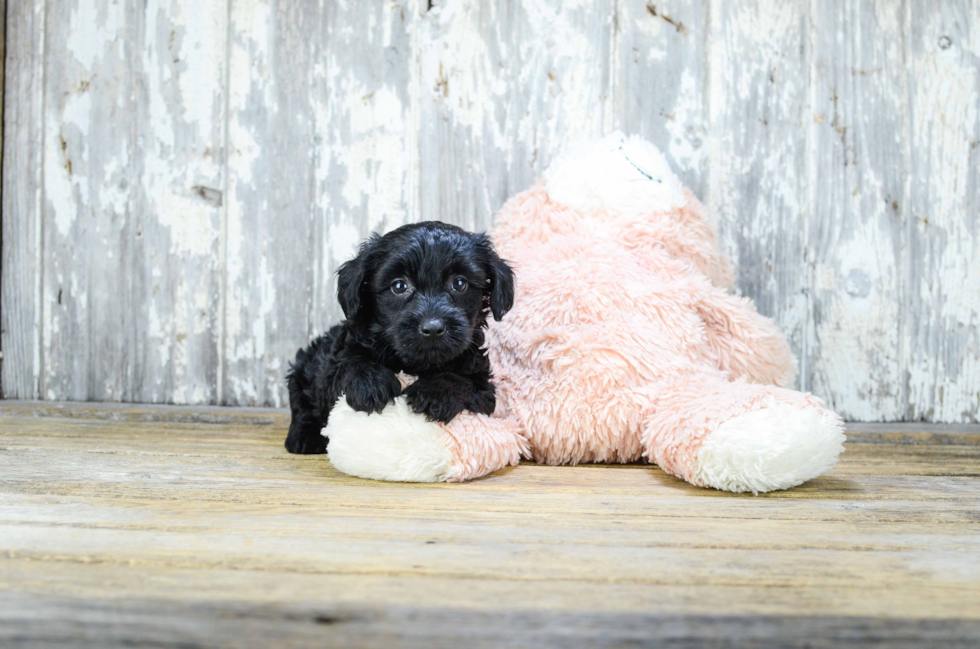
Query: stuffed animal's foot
[775, 447]
[743, 437]
[399, 445]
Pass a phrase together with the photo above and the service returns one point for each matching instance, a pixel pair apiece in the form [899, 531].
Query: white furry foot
[776, 447]
[396, 445]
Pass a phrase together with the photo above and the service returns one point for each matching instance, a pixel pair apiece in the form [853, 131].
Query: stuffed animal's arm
[402, 446]
[686, 233]
[744, 343]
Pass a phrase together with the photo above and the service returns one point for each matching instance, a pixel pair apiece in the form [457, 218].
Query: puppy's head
[426, 288]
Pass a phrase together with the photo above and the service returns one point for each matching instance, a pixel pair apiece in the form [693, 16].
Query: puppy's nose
[432, 327]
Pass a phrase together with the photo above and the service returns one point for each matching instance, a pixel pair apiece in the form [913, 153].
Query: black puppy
[415, 300]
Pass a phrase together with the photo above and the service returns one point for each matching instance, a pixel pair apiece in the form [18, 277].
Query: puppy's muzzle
[432, 328]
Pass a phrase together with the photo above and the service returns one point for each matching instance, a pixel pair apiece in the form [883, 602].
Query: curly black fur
[415, 300]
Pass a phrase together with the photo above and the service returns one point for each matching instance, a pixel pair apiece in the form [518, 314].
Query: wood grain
[860, 162]
[268, 239]
[177, 276]
[182, 180]
[161, 623]
[91, 188]
[127, 526]
[20, 276]
[3, 61]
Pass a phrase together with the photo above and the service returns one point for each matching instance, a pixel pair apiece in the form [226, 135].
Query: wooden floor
[193, 527]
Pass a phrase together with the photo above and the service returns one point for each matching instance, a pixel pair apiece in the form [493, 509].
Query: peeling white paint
[685, 141]
[99, 26]
[65, 184]
[344, 238]
[374, 159]
[856, 354]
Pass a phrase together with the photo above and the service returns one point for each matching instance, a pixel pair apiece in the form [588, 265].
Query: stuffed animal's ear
[351, 279]
[501, 280]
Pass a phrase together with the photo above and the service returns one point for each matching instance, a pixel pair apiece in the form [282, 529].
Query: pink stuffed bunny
[624, 344]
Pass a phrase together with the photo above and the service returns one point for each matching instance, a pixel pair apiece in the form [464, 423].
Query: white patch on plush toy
[777, 447]
[617, 174]
[395, 445]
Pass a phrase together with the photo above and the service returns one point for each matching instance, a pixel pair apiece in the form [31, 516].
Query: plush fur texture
[775, 447]
[625, 342]
[416, 300]
[402, 446]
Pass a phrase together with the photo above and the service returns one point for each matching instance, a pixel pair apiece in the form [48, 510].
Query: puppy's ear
[351, 279]
[502, 291]
[501, 280]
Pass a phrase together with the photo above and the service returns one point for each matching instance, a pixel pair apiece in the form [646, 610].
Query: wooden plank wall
[181, 178]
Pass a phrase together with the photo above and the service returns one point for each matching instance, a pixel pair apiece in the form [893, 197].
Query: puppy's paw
[372, 389]
[309, 443]
[483, 402]
[438, 398]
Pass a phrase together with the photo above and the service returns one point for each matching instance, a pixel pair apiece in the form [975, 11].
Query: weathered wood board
[124, 526]
[942, 225]
[182, 179]
[860, 117]
[20, 258]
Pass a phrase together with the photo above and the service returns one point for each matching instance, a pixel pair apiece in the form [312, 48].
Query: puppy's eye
[459, 284]
[399, 286]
